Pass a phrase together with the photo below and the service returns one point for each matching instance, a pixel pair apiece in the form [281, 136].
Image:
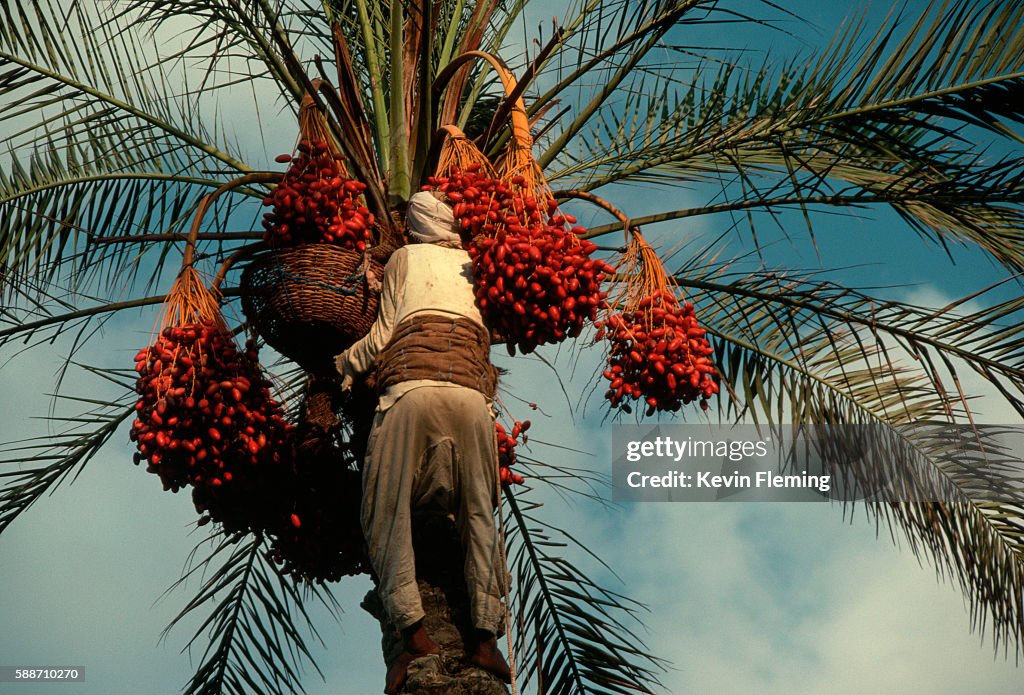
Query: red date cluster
[507, 451]
[535, 280]
[317, 203]
[659, 354]
[205, 415]
[318, 537]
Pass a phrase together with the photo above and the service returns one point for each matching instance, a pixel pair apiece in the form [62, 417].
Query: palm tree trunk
[439, 570]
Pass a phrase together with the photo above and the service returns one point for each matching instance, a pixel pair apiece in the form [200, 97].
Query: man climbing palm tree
[433, 436]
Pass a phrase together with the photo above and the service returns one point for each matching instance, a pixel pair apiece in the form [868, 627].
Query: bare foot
[487, 656]
[417, 645]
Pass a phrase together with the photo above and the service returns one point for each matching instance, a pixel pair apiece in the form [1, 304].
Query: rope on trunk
[508, 588]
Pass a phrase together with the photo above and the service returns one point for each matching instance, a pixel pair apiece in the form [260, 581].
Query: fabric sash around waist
[437, 348]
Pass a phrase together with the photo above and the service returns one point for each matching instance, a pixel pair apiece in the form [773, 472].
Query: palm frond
[640, 28]
[572, 634]
[988, 341]
[258, 34]
[110, 154]
[257, 626]
[895, 126]
[37, 317]
[803, 352]
[37, 466]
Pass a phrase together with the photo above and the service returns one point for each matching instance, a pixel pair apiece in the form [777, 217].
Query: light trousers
[435, 445]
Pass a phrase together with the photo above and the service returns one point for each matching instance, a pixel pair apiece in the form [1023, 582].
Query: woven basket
[310, 302]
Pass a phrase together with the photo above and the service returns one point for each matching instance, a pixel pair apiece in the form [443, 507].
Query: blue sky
[771, 598]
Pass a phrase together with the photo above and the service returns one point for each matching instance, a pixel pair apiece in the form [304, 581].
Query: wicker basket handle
[517, 159]
[518, 120]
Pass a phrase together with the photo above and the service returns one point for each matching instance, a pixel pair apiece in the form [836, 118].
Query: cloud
[791, 599]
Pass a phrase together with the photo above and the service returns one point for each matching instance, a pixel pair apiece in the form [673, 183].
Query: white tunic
[418, 279]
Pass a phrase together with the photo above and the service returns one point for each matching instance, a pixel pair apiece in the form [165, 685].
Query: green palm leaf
[256, 629]
[809, 353]
[113, 155]
[572, 634]
[891, 127]
[34, 467]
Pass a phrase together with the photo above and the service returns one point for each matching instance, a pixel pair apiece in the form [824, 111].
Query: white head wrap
[430, 221]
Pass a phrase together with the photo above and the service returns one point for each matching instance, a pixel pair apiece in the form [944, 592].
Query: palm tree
[109, 159]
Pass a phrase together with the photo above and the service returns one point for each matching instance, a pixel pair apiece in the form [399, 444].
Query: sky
[776, 598]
